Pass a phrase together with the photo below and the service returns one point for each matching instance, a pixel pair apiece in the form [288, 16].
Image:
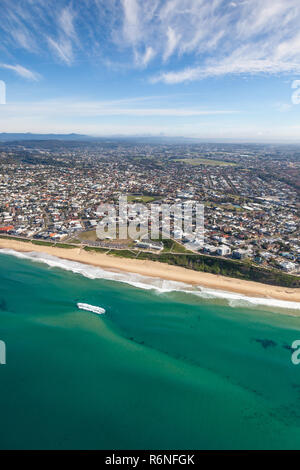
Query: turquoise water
[158, 371]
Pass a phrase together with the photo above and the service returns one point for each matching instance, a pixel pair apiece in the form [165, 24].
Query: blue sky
[200, 68]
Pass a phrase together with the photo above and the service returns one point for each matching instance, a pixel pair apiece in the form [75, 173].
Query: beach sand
[160, 270]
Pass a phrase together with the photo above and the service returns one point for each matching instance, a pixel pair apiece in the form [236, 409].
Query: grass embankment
[213, 265]
[174, 247]
[38, 242]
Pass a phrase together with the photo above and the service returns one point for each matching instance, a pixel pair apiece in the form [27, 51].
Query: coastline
[160, 270]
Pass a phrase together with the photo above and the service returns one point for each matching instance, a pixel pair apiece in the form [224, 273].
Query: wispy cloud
[63, 49]
[144, 58]
[172, 42]
[213, 37]
[63, 45]
[257, 37]
[129, 107]
[231, 65]
[66, 21]
[22, 71]
[131, 23]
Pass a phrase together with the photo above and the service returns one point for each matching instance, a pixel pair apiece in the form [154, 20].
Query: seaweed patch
[266, 343]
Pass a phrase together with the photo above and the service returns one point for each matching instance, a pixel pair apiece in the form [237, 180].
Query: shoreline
[165, 271]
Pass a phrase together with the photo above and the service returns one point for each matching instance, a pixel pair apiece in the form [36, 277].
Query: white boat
[91, 308]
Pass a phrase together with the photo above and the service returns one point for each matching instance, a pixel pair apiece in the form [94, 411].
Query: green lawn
[140, 199]
[174, 247]
[203, 161]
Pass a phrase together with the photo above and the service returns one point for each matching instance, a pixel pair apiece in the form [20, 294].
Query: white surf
[160, 285]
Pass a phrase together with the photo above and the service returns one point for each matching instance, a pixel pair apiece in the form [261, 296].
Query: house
[223, 250]
[239, 254]
[287, 266]
[6, 229]
[148, 244]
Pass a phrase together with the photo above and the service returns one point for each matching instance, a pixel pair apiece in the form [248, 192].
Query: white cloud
[231, 65]
[257, 36]
[172, 42]
[63, 46]
[107, 117]
[105, 108]
[22, 71]
[66, 22]
[24, 39]
[131, 20]
[144, 59]
[63, 49]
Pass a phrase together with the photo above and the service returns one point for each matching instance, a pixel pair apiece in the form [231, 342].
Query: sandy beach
[160, 270]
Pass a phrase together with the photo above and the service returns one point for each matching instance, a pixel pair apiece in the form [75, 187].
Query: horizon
[203, 70]
[14, 137]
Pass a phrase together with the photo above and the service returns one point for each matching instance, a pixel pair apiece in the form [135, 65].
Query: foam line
[160, 285]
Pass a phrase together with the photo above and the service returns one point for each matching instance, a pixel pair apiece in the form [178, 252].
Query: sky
[209, 69]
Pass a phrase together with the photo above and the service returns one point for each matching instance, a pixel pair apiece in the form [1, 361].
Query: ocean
[168, 366]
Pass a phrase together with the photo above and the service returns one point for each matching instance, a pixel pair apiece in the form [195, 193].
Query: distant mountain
[19, 137]
[129, 139]
[141, 139]
[6, 137]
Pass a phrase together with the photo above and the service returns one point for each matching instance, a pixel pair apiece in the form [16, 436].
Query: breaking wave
[153, 283]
